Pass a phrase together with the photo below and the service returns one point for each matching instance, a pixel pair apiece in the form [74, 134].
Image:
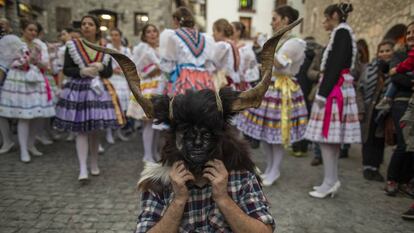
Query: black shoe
[409, 214]
[254, 144]
[376, 176]
[343, 153]
[406, 189]
[368, 174]
[316, 161]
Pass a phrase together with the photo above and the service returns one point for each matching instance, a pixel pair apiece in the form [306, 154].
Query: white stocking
[82, 151]
[278, 153]
[147, 138]
[23, 136]
[109, 136]
[5, 132]
[267, 149]
[330, 153]
[93, 147]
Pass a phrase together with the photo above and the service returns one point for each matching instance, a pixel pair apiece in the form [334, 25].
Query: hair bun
[346, 7]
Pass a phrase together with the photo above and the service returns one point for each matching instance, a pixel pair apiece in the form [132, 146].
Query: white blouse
[124, 50]
[146, 58]
[291, 56]
[249, 68]
[174, 51]
[224, 60]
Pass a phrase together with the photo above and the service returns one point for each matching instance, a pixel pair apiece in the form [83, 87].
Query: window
[246, 5]
[247, 22]
[140, 19]
[63, 18]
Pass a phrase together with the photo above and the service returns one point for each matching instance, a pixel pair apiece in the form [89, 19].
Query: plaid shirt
[201, 213]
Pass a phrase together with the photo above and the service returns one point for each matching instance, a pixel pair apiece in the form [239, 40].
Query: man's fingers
[208, 176]
[212, 170]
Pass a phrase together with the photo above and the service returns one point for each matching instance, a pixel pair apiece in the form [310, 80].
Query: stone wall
[371, 19]
[159, 13]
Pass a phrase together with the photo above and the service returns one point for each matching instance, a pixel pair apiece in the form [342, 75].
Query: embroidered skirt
[122, 90]
[82, 110]
[26, 95]
[344, 128]
[191, 79]
[281, 117]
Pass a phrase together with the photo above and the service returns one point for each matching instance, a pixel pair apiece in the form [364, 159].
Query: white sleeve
[291, 51]
[10, 47]
[250, 67]
[221, 53]
[168, 51]
[140, 56]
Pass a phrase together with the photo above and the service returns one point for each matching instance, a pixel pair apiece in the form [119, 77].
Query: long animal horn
[131, 75]
[253, 97]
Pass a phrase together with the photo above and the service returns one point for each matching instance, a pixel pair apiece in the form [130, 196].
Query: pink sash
[48, 88]
[336, 94]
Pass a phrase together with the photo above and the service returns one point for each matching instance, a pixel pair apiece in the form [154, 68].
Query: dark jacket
[403, 82]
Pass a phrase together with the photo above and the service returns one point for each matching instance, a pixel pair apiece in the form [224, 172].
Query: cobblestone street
[45, 196]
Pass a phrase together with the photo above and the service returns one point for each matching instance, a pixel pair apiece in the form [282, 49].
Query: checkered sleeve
[152, 207]
[254, 203]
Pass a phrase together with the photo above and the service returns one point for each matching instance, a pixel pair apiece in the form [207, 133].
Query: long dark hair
[342, 9]
[97, 24]
[363, 51]
[287, 11]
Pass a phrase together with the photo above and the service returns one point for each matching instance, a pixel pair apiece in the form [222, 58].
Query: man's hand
[179, 176]
[217, 174]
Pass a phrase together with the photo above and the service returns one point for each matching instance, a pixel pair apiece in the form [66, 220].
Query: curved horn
[253, 97]
[131, 75]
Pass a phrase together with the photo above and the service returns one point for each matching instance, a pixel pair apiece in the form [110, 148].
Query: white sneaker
[95, 172]
[70, 137]
[6, 148]
[110, 138]
[45, 141]
[34, 151]
[101, 150]
[121, 136]
[25, 157]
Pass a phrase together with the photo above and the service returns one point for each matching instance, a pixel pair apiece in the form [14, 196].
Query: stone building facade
[371, 19]
[129, 15]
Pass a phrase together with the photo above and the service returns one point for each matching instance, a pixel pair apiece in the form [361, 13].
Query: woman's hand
[89, 72]
[97, 65]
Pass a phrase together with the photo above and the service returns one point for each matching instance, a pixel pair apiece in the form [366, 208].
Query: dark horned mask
[197, 119]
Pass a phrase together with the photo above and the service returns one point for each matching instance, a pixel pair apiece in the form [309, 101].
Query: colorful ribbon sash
[176, 73]
[286, 85]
